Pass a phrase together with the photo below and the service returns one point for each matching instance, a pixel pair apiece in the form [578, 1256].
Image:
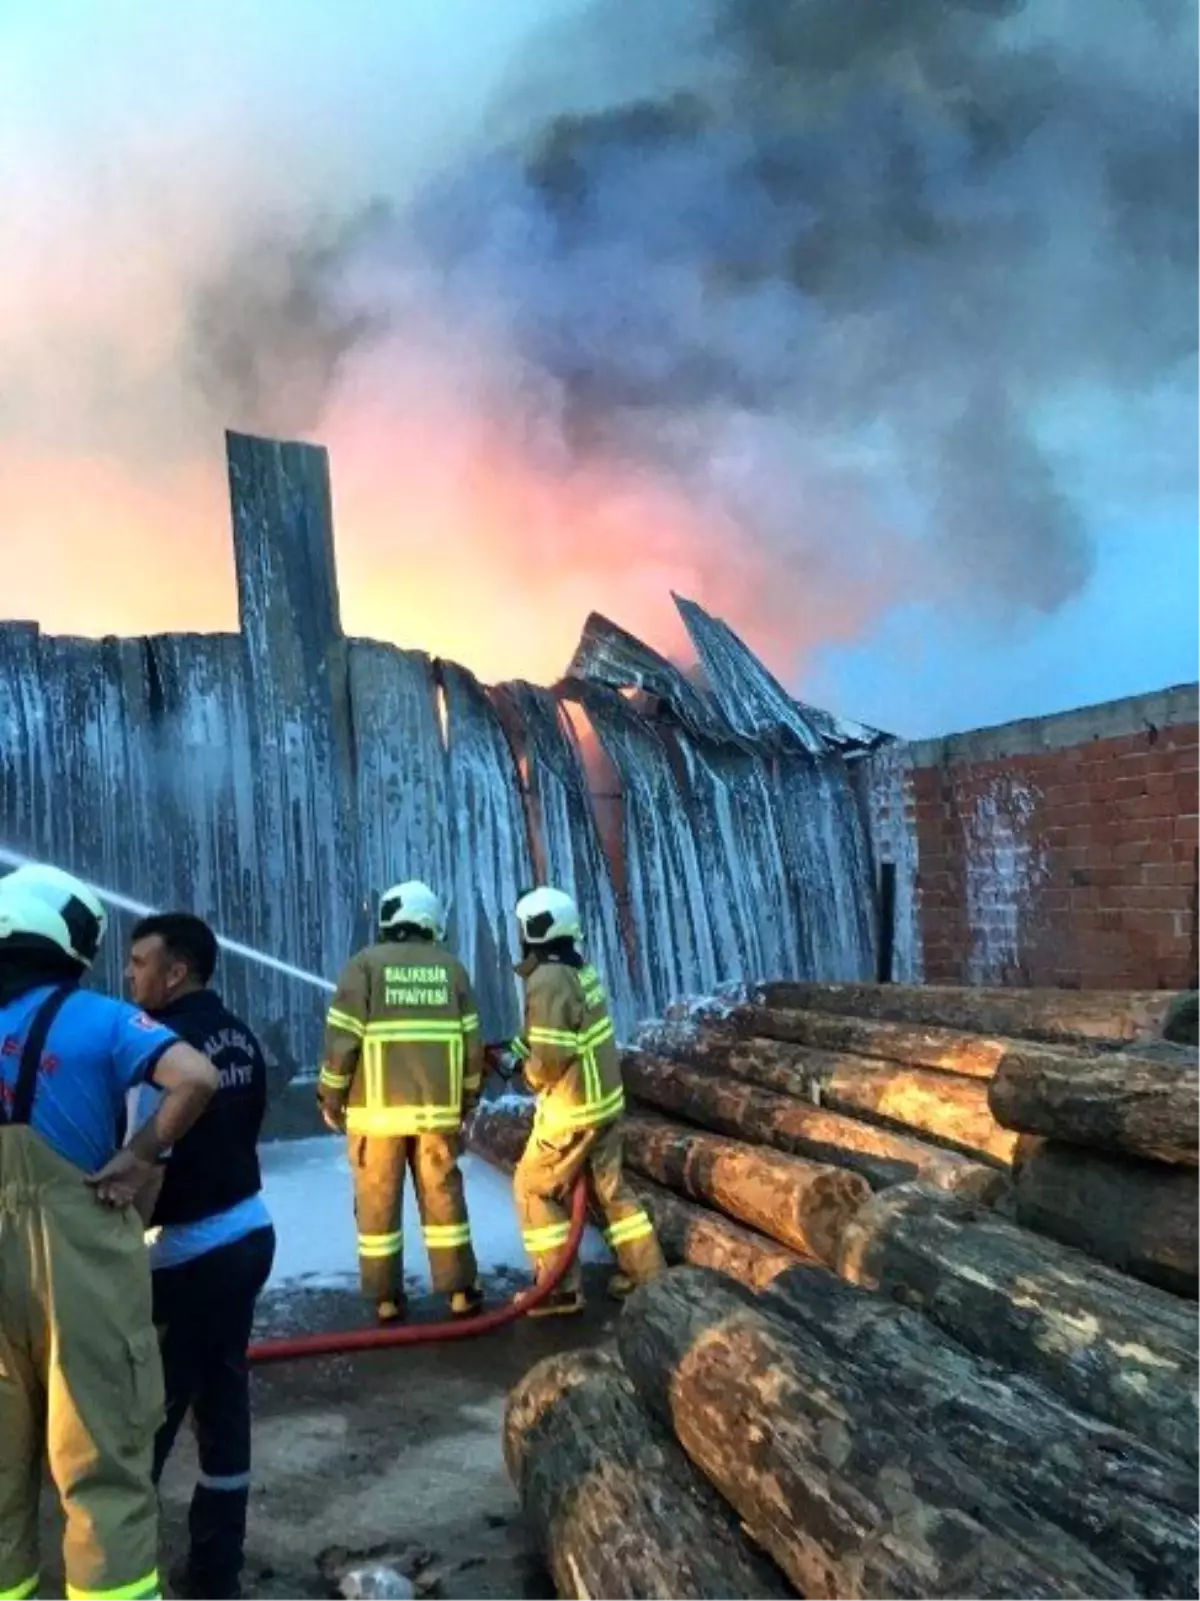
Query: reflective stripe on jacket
[571, 1059]
[403, 1051]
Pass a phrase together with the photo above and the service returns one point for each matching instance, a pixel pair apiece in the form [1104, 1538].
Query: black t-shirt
[215, 1164]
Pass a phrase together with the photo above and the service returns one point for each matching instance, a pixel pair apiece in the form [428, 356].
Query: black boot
[467, 1303]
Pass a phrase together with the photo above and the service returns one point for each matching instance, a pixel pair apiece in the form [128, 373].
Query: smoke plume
[795, 305]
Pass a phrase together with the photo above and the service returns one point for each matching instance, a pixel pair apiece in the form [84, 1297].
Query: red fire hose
[338, 1344]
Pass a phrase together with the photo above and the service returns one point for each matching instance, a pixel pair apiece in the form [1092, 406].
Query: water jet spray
[231, 947]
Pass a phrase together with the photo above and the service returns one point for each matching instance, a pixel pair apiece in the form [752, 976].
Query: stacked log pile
[856, 1448]
[904, 1375]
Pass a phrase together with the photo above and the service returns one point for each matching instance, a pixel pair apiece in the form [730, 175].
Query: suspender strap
[31, 1056]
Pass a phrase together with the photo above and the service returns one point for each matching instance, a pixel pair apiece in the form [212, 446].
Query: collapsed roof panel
[756, 707]
[609, 655]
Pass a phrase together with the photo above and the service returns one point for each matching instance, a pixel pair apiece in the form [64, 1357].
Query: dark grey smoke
[851, 259]
[269, 337]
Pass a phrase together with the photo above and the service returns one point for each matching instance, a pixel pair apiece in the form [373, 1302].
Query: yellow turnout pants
[379, 1164]
[542, 1186]
[80, 1378]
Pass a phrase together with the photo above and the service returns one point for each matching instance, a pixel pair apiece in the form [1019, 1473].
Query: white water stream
[232, 947]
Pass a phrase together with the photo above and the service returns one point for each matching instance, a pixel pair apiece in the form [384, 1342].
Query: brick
[1071, 792]
[1186, 829]
[1100, 750]
[1155, 873]
[1160, 783]
[1146, 806]
[1181, 734]
[1130, 850]
[1108, 875]
[1122, 788]
[1074, 817]
[1153, 897]
[1143, 925]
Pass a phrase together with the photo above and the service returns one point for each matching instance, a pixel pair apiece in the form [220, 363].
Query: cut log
[829, 1477]
[700, 1238]
[614, 1505]
[945, 1050]
[1120, 1350]
[804, 1205]
[1137, 1216]
[1127, 1104]
[1134, 1508]
[946, 1107]
[1046, 1014]
[745, 1112]
[1182, 1022]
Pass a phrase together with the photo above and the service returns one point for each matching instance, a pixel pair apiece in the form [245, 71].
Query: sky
[872, 329]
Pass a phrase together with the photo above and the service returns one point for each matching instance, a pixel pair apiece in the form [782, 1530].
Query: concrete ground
[391, 1448]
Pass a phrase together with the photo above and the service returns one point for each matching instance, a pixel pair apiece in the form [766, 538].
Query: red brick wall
[1073, 865]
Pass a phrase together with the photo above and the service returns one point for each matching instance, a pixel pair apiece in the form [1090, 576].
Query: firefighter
[403, 1064]
[570, 1060]
[80, 1377]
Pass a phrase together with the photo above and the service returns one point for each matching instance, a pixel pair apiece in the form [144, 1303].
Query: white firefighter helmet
[40, 903]
[546, 914]
[413, 903]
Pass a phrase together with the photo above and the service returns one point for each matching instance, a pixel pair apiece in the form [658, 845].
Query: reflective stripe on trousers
[143, 1589]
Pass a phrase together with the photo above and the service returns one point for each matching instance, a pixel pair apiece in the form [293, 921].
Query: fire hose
[348, 1340]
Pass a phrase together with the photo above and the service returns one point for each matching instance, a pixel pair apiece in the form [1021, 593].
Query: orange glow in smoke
[486, 560]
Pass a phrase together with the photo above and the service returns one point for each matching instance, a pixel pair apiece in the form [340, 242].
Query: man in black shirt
[211, 1242]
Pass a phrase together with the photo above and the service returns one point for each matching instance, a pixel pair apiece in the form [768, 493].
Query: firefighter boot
[466, 1303]
[391, 1311]
[565, 1301]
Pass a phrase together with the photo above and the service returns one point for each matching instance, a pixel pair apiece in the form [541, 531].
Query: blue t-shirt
[97, 1050]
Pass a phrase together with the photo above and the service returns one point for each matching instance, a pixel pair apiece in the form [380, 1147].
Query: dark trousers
[204, 1311]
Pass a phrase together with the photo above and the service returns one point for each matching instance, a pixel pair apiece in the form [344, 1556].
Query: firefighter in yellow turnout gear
[80, 1378]
[403, 1063]
[570, 1060]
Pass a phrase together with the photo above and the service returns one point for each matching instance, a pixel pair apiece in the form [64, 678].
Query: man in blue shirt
[211, 1243]
[80, 1377]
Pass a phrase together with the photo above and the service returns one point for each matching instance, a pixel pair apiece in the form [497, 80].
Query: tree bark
[745, 1112]
[829, 1476]
[1127, 1104]
[946, 1107]
[615, 1506]
[1120, 1350]
[803, 1205]
[1046, 1014]
[701, 1238]
[1133, 1507]
[1137, 1216]
[945, 1050]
